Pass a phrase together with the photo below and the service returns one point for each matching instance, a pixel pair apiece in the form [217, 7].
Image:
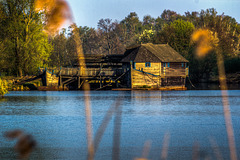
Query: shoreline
[199, 86]
[233, 82]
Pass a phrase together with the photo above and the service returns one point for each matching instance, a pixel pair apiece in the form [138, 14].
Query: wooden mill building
[155, 66]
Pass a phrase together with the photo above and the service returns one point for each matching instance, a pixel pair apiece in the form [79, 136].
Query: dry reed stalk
[165, 147]
[104, 125]
[207, 41]
[226, 107]
[57, 12]
[146, 149]
[117, 134]
[86, 87]
[216, 149]
[25, 143]
[88, 115]
[195, 154]
[145, 152]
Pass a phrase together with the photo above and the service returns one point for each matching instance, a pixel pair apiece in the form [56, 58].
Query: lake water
[57, 121]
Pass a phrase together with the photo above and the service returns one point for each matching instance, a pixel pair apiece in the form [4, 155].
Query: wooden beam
[60, 81]
[79, 82]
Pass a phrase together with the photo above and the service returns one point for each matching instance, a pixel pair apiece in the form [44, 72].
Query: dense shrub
[232, 65]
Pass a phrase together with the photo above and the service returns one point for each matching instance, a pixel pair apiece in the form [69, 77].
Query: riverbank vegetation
[25, 46]
[3, 87]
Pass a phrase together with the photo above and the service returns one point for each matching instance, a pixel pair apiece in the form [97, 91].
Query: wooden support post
[100, 81]
[184, 81]
[131, 76]
[79, 82]
[100, 75]
[60, 81]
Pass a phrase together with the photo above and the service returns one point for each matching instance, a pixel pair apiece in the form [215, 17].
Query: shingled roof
[152, 53]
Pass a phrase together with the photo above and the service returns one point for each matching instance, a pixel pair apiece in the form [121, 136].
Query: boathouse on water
[156, 66]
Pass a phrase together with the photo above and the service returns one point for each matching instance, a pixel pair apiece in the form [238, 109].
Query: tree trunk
[20, 71]
[18, 63]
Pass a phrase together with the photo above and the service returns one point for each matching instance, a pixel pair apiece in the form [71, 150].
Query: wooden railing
[91, 72]
[175, 72]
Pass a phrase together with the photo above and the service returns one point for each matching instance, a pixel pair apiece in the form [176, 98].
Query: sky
[89, 12]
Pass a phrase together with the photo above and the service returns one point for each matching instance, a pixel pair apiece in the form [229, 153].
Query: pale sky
[89, 12]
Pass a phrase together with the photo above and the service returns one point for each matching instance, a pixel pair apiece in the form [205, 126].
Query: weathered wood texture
[86, 72]
[156, 75]
[51, 79]
[175, 69]
[173, 81]
[146, 76]
[65, 76]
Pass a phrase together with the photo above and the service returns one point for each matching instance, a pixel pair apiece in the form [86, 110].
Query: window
[183, 64]
[133, 65]
[166, 64]
[147, 64]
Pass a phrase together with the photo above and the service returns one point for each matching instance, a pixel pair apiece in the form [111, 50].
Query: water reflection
[57, 121]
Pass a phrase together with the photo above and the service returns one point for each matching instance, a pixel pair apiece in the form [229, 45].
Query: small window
[147, 64]
[183, 64]
[133, 65]
[164, 64]
[168, 64]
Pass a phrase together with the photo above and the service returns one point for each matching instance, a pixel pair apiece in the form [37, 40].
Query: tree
[22, 33]
[71, 46]
[147, 36]
[59, 55]
[132, 28]
[178, 35]
[132, 23]
[169, 16]
[90, 40]
[3, 87]
[110, 41]
[148, 22]
[226, 28]
[159, 23]
[192, 17]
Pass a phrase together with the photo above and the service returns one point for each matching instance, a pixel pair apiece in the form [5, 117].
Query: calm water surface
[57, 121]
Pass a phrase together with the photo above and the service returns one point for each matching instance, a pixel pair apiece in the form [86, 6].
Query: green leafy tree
[3, 87]
[59, 55]
[26, 44]
[170, 27]
[169, 16]
[193, 17]
[90, 40]
[147, 36]
[159, 23]
[72, 48]
[148, 22]
[178, 35]
[132, 28]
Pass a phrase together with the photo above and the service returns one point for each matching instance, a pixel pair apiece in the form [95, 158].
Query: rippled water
[57, 121]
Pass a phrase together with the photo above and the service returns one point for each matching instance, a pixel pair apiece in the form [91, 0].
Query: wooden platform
[102, 78]
[152, 89]
[76, 77]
